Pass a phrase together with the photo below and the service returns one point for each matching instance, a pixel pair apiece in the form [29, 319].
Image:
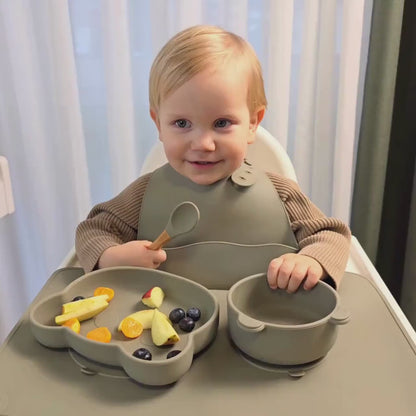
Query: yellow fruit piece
[101, 334]
[145, 317]
[131, 328]
[153, 298]
[163, 332]
[86, 312]
[82, 303]
[104, 291]
[73, 324]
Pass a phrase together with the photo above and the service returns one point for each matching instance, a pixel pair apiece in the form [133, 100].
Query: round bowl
[278, 327]
[129, 284]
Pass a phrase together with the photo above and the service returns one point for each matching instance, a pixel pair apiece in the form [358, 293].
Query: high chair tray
[370, 370]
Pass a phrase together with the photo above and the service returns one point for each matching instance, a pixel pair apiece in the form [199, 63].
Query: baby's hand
[289, 270]
[133, 253]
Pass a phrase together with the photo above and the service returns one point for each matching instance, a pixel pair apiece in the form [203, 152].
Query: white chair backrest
[266, 152]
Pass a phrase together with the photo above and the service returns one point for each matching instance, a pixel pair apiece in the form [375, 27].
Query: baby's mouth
[202, 163]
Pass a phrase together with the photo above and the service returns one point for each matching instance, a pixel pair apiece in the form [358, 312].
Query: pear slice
[153, 298]
[79, 304]
[163, 332]
[83, 312]
[145, 317]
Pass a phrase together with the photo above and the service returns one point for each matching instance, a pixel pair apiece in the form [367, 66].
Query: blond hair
[199, 48]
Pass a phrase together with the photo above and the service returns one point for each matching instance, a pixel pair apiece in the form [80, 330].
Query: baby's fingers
[298, 274]
[279, 272]
[312, 278]
[158, 257]
[285, 273]
[273, 271]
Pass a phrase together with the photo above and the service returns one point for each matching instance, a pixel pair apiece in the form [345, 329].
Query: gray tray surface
[370, 370]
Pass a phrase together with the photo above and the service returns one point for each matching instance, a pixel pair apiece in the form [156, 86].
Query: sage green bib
[243, 225]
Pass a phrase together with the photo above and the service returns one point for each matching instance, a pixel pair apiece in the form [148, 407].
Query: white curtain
[74, 118]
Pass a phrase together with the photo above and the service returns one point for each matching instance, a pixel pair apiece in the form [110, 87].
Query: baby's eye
[222, 123]
[182, 123]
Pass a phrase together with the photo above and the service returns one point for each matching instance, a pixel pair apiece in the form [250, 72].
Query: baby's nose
[203, 141]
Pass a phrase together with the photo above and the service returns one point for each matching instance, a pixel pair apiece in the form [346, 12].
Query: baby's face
[205, 125]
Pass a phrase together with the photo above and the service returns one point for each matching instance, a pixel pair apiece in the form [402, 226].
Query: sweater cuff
[89, 256]
[334, 267]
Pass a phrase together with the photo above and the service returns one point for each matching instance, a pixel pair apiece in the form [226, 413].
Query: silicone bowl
[276, 327]
[129, 284]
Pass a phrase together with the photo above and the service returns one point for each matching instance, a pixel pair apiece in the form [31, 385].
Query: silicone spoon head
[183, 219]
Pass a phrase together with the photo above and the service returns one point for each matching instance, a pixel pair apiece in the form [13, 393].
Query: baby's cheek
[239, 159]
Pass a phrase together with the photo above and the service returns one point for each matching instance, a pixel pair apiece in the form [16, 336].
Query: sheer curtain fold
[305, 110]
[325, 116]
[352, 35]
[235, 16]
[321, 177]
[169, 17]
[120, 105]
[41, 135]
[74, 116]
[277, 69]
[43, 82]
[69, 118]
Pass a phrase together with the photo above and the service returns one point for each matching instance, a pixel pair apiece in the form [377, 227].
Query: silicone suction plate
[129, 284]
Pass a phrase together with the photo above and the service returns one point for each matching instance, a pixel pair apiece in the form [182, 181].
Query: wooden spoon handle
[163, 238]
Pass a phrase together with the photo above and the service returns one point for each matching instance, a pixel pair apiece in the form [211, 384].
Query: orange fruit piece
[73, 324]
[104, 291]
[131, 328]
[101, 334]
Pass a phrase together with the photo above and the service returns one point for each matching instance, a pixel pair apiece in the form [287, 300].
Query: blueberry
[77, 298]
[194, 313]
[143, 354]
[187, 324]
[173, 353]
[176, 315]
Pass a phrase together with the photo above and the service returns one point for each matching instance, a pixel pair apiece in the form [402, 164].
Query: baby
[207, 99]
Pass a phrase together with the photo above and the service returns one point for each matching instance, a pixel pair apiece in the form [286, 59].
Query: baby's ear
[155, 118]
[255, 119]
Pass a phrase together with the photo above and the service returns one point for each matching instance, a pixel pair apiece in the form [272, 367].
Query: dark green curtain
[385, 166]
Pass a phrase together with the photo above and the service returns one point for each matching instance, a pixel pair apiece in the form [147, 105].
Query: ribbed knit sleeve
[325, 239]
[110, 223]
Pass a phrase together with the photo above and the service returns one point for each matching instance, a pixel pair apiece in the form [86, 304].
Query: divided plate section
[129, 284]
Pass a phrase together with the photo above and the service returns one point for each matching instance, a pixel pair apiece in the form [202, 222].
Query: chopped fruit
[86, 309]
[81, 303]
[145, 317]
[77, 298]
[173, 353]
[153, 298]
[104, 291]
[143, 354]
[176, 315]
[101, 334]
[194, 314]
[187, 324]
[131, 328]
[73, 324]
[163, 332]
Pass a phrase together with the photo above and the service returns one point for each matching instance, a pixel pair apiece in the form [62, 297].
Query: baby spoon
[182, 219]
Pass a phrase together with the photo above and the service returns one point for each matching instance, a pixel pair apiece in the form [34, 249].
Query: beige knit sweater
[115, 222]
